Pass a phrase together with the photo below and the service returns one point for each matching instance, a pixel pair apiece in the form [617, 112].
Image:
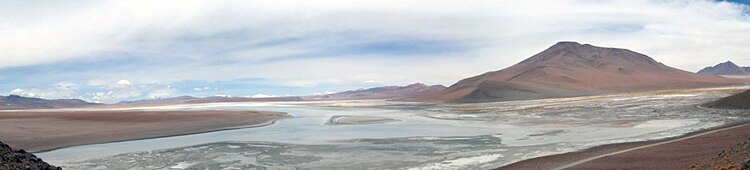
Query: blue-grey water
[429, 136]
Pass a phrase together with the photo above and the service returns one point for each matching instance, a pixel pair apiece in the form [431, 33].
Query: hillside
[20, 159]
[386, 92]
[14, 102]
[737, 101]
[569, 69]
[725, 68]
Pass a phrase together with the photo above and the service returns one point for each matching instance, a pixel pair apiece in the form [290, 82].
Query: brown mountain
[737, 101]
[386, 92]
[14, 102]
[569, 69]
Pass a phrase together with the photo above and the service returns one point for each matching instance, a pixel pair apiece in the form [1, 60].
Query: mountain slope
[14, 102]
[20, 159]
[569, 69]
[725, 68]
[387, 92]
[737, 101]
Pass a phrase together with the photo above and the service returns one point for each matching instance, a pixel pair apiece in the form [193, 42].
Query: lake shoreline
[46, 131]
[596, 154]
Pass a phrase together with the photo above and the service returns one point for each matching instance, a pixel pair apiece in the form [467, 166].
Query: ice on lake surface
[429, 136]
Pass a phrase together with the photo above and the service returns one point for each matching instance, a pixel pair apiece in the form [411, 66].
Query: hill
[737, 101]
[569, 69]
[15, 102]
[725, 68]
[386, 92]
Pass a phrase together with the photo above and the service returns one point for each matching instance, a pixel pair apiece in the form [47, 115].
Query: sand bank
[674, 153]
[358, 120]
[45, 130]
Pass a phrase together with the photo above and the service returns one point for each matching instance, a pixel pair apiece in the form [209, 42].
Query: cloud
[323, 93]
[202, 88]
[161, 93]
[62, 90]
[263, 96]
[127, 90]
[336, 44]
[124, 83]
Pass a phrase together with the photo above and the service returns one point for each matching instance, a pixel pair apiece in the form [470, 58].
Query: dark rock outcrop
[19, 159]
[737, 101]
[735, 157]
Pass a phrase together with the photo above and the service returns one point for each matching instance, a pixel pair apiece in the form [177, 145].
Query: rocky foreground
[20, 159]
[723, 148]
[737, 157]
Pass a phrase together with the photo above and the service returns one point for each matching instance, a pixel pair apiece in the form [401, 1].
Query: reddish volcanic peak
[569, 69]
[575, 54]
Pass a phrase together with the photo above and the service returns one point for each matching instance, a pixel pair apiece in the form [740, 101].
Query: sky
[110, 51]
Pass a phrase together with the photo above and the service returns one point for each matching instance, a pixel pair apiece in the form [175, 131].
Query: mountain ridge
[737, 101]
[384, 92]
[16, 102]
[569, 69]
[725, 68]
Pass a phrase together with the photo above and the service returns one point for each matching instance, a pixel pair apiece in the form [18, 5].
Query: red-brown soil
[44, 130]
[570, 69]
[680, 154]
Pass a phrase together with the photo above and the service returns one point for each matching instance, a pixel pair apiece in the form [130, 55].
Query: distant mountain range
[569, 69]
[15, 102]
[386, 92]
[725, 68]
[566, 69]
[197, 100]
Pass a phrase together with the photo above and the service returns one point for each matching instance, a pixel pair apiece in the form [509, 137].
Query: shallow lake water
[428, 136]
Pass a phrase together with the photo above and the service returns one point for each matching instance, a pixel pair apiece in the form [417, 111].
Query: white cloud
[324, 93]
[202, 88]
[161, 93]
[115, 95]
[62, 90]
[127, 90]
[263, 96]
[124, 83]
[688, 34]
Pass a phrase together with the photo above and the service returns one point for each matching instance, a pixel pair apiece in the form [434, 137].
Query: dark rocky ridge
[19, 159]
[737, 101]
[725, 68]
